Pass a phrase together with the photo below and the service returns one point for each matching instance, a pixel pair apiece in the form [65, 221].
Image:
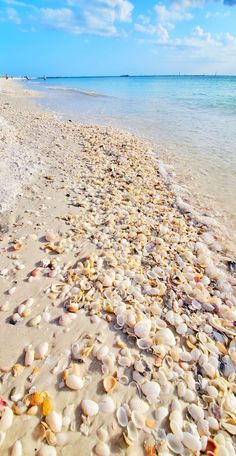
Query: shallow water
[190, 119]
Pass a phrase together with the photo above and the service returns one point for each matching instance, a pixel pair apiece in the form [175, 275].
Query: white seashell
[76, 349]
[102, 449]
[174, 444]
[138, 419]
[64, 320]
[102, 433]
[107, 405]
[74, 382]
[142, 328]
[89, 408]
[151, 390]
[62, 438]
[144, 343]
[192, 442]
[120, 320]
[6, 418]
[54, 421]
[50, 236]
[21, 309]
[213, 423]
[132, 432]
[17, 449]
[182, 329]
[35, 321]
[166, 337]
[12, 290]
[137, 377]
[47, 450]
[196, 412]
[29, 356]
[161, 413]
[181, 389]
[2, 437]
[139, 405]
[41, 350]
[102, 352]
[122, 416]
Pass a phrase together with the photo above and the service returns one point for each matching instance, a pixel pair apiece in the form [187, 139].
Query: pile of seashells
[166, 362]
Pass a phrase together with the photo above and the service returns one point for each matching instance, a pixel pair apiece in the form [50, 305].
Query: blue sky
[109, 37]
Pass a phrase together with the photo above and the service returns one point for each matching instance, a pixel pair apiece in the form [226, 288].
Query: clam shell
[54, 421]
[74, 382]
[122, 416]
[6, 418]
[174, 444]
[132, 432]
[107, 405]
[196, 412]
[139, 404]
[109, 383]
[62, 438]
[192, 442]
[89, 407]
[151, 390]
[41, 350]
[166, 337]
[101, 352]
[142, 328]
[144, 343]
[102, 449]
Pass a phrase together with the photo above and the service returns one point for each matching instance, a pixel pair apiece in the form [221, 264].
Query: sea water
[191, 121]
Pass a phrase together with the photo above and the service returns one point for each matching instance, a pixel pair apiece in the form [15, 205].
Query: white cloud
[13, 16]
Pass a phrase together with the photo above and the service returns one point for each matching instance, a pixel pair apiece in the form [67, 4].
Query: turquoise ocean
[191, 121]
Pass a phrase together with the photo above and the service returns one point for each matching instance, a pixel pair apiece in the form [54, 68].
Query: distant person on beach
[6, 76]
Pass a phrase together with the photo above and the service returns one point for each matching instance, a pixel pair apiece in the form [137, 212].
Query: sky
[112, 37]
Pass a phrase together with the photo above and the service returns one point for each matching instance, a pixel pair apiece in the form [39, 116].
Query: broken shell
[142, 328]
[6, 418]
[41, 350]
[54, 421]
[107, 405]
[102, 449]
[109, 384]
[29, 355]
[122, 416]
[17, 449]
[89, 408]
[74, 382]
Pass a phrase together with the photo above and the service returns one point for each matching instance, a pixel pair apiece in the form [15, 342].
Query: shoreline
[100, 268]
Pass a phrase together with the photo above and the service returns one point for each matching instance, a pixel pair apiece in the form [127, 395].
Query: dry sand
[118, 252]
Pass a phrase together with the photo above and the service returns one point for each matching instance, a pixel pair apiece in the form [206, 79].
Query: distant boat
[124, 75]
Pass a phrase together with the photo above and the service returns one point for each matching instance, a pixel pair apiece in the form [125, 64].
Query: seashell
[138, 419]
[196, 412]
[6, 418]
[54, 421]
[89, 407]
[41, 350]
[161, 413]
[107, 405]
[35, 321]
[50, 437]
[29, 356]
[50, 236]
[32, 411]
[142, 328]
[62, 438]
[166, 337]
[74, 382]
[109, 384]
[174, 444]
[192, 442]
[122, 417]
[102, 449]
[144, 343]
[182, 329]
[213, 423]
[151, 390]
[229, 425]
[138, 404]
[102, 352]
[64, 320]
[132, 432]
[102, 433]
[47, 450]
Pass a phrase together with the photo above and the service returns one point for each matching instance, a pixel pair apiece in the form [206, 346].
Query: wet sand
[111, 291]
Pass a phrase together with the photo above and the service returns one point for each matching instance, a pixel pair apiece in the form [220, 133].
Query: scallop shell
[174, 444]
[102, 449]
[89, 407]
[107, 405]
[161, 413]
[109, 384]
[151, 390]
[139, 404]
[6, 418]
[122, 416]
[142, 328]
[54, 421]
[74, 382]
[41, 350]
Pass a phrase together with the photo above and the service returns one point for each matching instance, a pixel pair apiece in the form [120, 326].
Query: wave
[69, 89]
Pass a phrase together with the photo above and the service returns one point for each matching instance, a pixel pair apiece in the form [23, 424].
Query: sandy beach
[118, 306]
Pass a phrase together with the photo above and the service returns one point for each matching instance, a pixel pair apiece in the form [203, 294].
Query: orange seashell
[151, 423]
[47, 406]
[211, 447]
[17, 369]
[17, 246]
[36, 398]
[109, 384]
[150, 450]
[35, 272]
